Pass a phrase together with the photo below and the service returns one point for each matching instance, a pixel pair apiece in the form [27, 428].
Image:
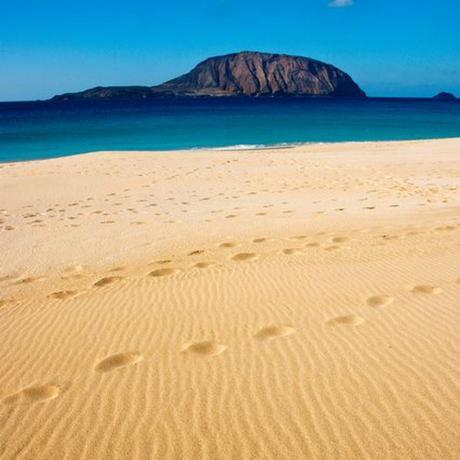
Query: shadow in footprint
[107, 280]
[35, 393]
[62, 295]
[242, 256]
[119, 360]
[203, 264]
[340, 239]
[273, 332]
[205, 348]
[30, 279]
[379, 300]
[162, 272]
[426, 289]
[228, 245]
[292, 251]
[350, 320]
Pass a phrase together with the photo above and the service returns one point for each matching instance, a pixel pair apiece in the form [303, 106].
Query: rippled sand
[276, 304]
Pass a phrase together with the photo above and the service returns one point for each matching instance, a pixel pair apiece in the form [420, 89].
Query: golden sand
[277, 304]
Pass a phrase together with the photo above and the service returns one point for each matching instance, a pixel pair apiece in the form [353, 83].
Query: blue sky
[390, 47]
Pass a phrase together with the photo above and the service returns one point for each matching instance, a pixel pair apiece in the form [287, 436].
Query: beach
[284, 303]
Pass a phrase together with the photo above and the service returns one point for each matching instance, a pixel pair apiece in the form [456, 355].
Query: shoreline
[241, 148]
[50, 101]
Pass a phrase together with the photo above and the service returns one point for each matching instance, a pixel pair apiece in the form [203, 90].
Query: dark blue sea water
[42, 129]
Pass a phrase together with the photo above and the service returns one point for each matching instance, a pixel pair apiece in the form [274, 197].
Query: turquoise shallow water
[42, 129]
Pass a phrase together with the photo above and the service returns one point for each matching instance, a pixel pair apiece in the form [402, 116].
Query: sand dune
[275, 304]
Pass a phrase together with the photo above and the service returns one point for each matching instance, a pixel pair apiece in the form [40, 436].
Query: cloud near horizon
[340, 3]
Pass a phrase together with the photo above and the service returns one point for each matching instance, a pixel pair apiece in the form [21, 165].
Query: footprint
[228, 245]
[379, 300]
[242, 256]
[340, 239]
[30, 279]
[352, 320]
[116, 269]
[194, 253]
[291, 251]
[426, 289]
[259, 240]
[390, 237]
[107, 280]
[203, 264]
[32, 394]
[162, 272]
[119, 360]
[163, 262]
[60, 295]
[446, 227]
[272, 332]
[207, 347]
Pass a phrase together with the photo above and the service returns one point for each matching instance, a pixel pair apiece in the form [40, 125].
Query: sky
[389, 47]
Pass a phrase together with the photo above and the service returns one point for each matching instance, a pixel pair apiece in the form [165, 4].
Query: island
[246, 73]
[445, 97]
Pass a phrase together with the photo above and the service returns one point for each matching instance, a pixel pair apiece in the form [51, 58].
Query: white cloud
[340, 3]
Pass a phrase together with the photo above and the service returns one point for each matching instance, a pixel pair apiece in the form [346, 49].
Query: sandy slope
[284, 304]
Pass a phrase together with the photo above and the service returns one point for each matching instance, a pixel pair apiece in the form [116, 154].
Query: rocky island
[445, 97]
[242, 74]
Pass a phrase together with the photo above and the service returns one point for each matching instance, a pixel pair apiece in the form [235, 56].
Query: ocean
[35, 130]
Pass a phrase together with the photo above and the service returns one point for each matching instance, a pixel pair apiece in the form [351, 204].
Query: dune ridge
[298, 303]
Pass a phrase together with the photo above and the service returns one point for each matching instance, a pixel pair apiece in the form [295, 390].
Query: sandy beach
[297, 303]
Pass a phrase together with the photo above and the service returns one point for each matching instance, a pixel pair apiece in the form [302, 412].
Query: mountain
[263, 74]
[242, 74]
[445, 97]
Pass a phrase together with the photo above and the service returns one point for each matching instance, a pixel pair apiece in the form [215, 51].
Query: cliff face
[242, 74]
[263, 74]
